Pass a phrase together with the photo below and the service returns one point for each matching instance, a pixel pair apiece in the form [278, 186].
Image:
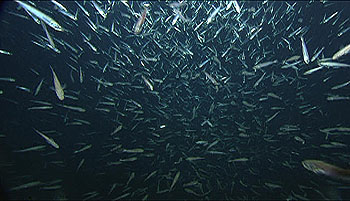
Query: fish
[181, 103]
[40, 108]
[329, 18]
[317, 54]
[305, 52]
[345, 50]
[323, 168]
[121, 197]
[337, 97]
[150, 175]
[59, 5]
[58, 88]
[237, 7]
[148, 83]
[23, 88]
[81, 77]
[38, 87]
[333, 64]
[308, 72]
[270, 94]
[194, 158]
[41, 102]
[262, 65]
[5, 52]
[80, 164]
[99, 9]
[213, 144]
[83, 9]
[229, 4]
[177, 16]
[211, 78]
[42, 16]
[35, 148]
[50, 141]
[259, 80]
[132, 176]
[213, 14]
[139, 24]
[83, 148]
[174, 181]
[70, 15]
[27, 185]
[55, 187]
[137, 150]
[270, 185]
[74, 108]
[128, 159]
[272, 117]
[341, 85]
[239, 160]
[7, 79]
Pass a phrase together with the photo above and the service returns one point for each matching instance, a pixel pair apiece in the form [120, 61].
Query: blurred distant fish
[236, 5]
[213, 14]
[177, 4]
[5, 52]
[148, 83]
[99, 9]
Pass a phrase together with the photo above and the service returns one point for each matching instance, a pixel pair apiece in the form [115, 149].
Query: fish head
[313, 166]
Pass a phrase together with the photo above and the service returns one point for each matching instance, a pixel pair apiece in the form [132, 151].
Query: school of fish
[115, 100]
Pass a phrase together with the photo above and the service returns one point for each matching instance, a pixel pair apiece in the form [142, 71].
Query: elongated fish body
[345, 50]
[333, 64]
[236, 5]
[49, 38]
[323, 168]
[140, 21]
[305, 53]
[213, 14]
[262, 65]
[37, 13]
[148, 83]
[99, 10]
[48, 140]
[38, 87]
[313, 70]
[58, 88]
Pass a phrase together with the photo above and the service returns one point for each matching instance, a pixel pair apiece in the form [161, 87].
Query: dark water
[274, 156]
